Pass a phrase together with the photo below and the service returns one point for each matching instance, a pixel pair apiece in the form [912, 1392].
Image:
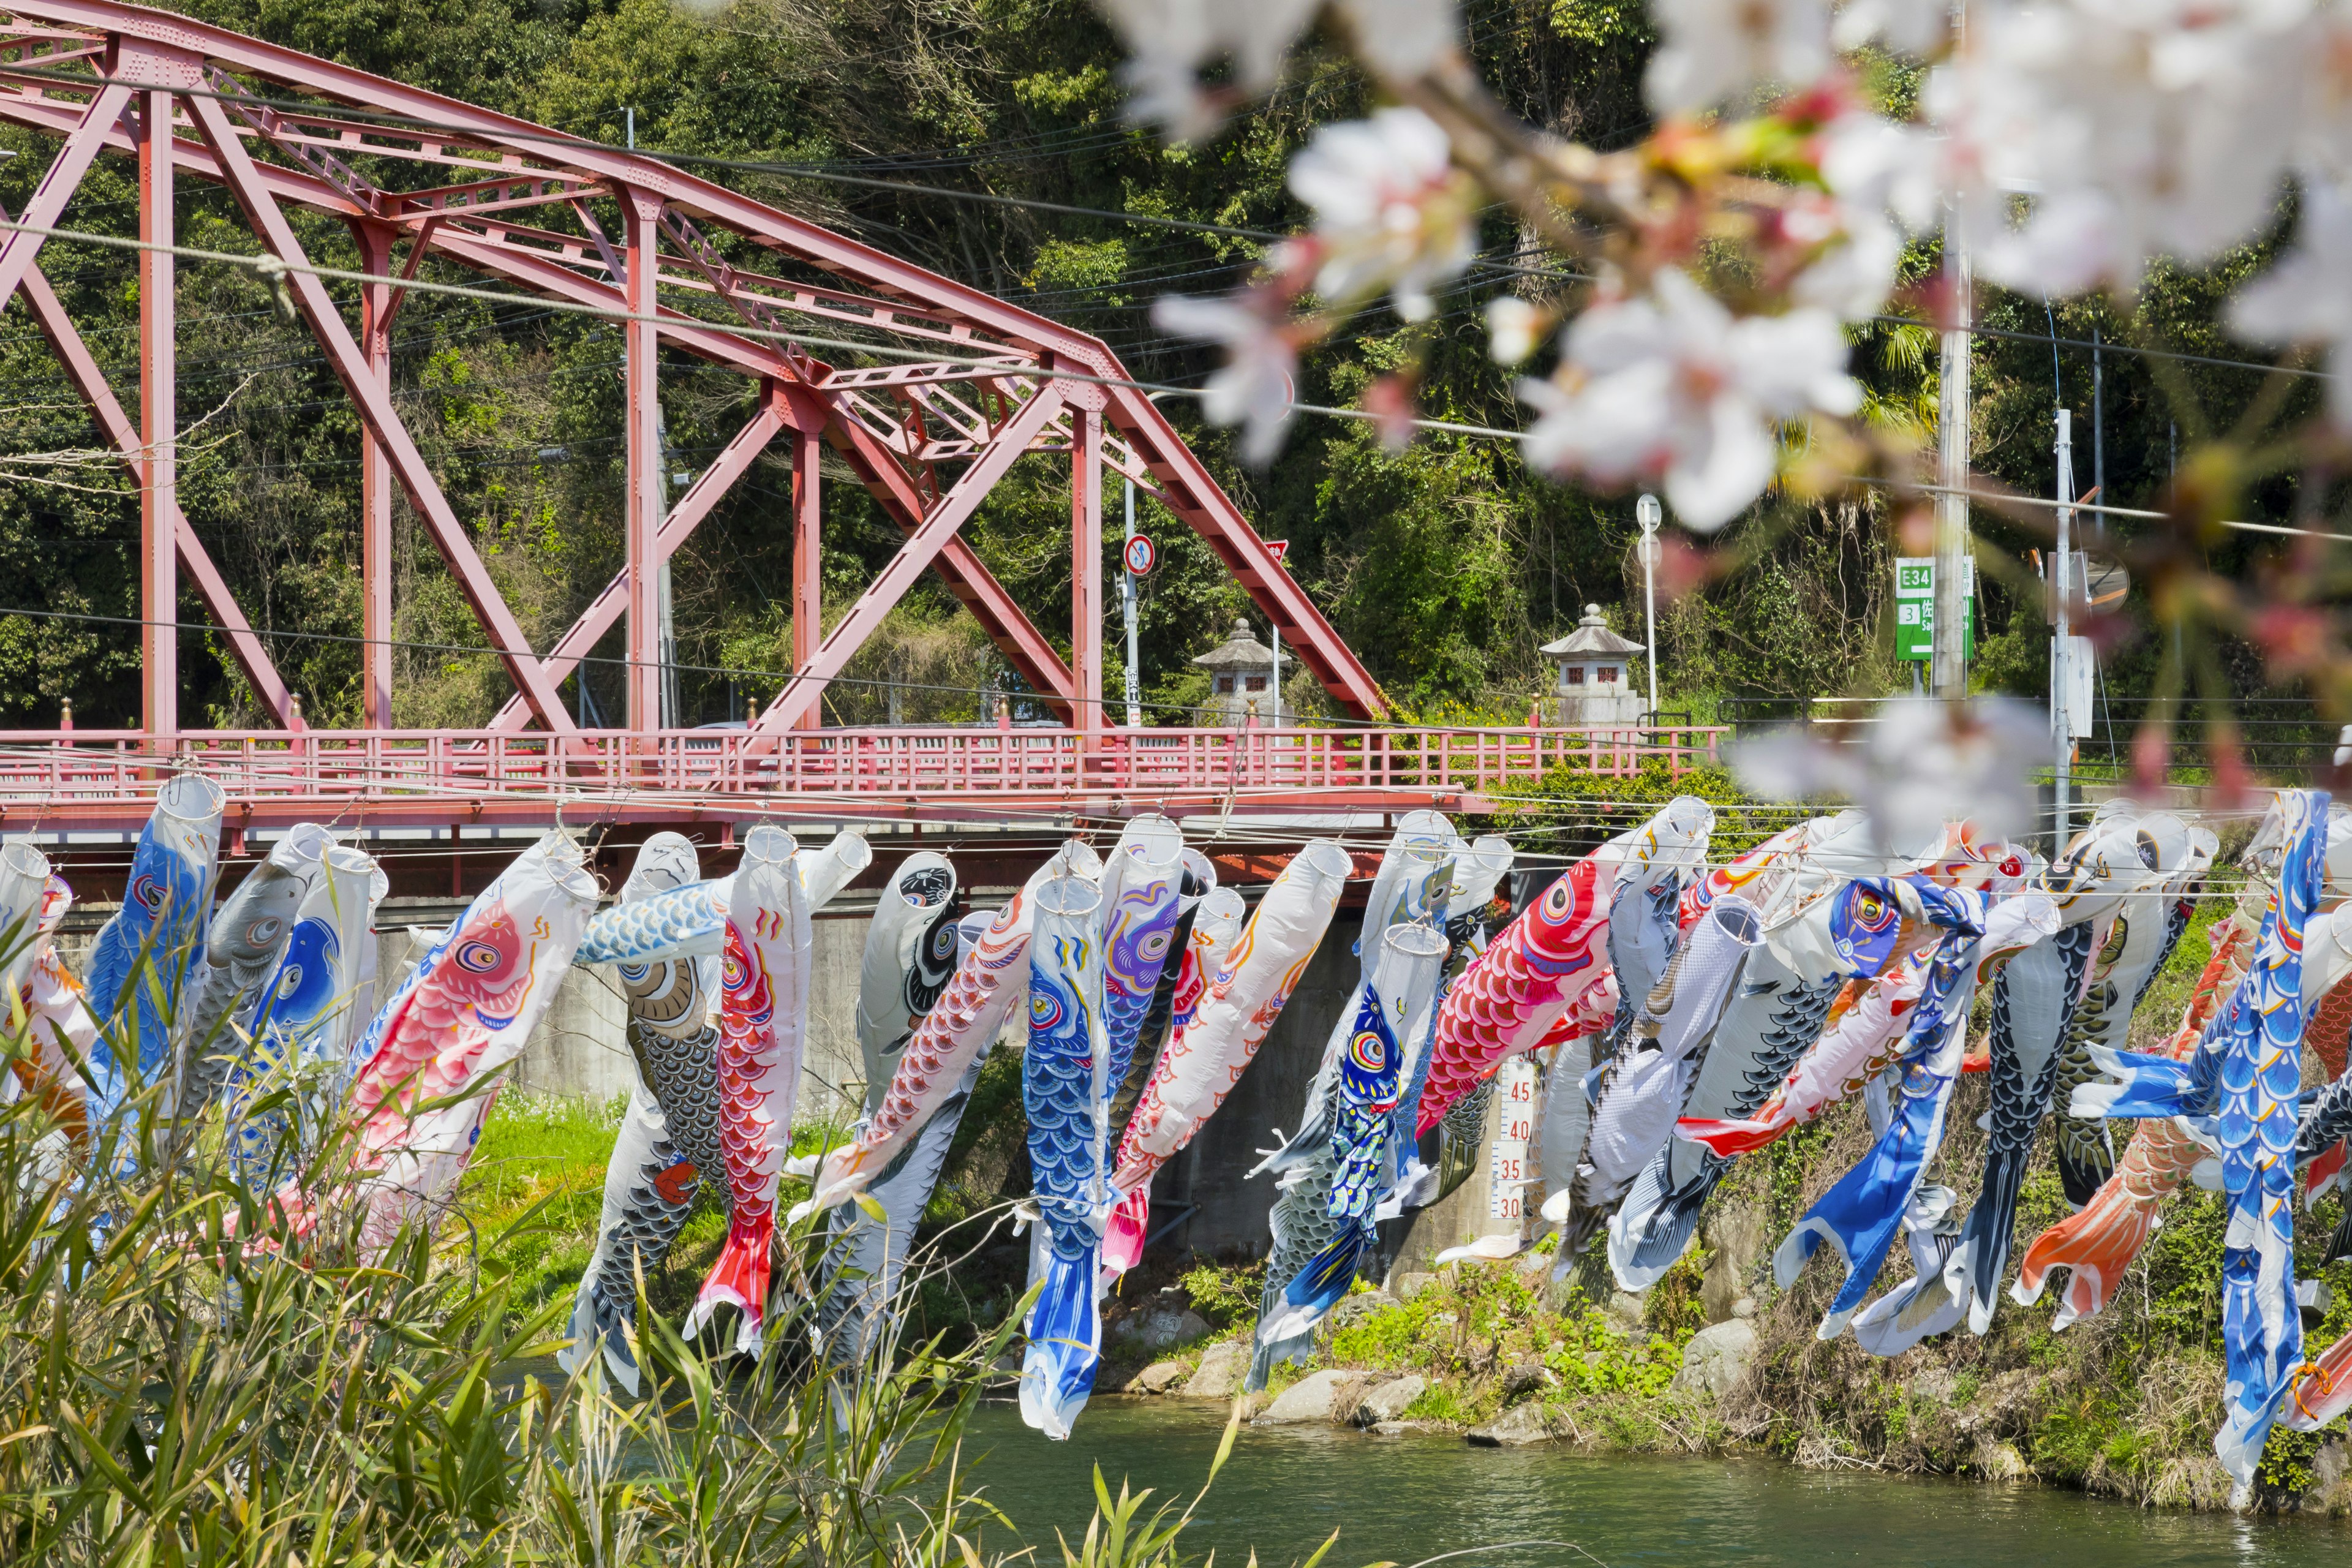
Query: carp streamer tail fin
[739, 1278]
[1729, 1138]
[1317, 1288]
[1653, 1226]
[2095, 1245]
[2138, 1085]
[1123, 1236]
[1983, 1253]
[1057, 1371]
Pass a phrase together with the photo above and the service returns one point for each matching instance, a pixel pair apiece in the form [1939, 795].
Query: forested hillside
[1445, 564]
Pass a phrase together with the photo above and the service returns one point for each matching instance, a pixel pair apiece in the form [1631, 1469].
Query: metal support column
[375, 487]
[2062, 648]
[1085, 572]
[1954, 548]
[808, 562]
[641, 211]
[159, 580]
[1127, 608]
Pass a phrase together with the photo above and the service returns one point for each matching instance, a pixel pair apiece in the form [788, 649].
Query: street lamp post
[1647, 513]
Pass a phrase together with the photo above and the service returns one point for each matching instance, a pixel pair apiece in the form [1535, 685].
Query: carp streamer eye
[1044, 1011]
[735, 975]
[1368, 1050]
[290, 981]
[150, 894]
[1155, 946]
[262, 932]
[478, 957]
[1558, 901]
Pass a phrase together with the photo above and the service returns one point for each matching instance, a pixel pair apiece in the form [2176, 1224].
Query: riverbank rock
[1315, 1397]
[1160, 1327]
[1998, 1461]
[1388, 1402]
[1408, 1286]
[1519, 1424]
[1353, 1309]
[1160, 1377]
[1624, 1309]
[1401, 1428]
[1717, 1356]
[1526, 1377]
[1219, 1376]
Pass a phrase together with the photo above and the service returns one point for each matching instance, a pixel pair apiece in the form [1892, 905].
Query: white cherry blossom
[1672, 386]
[1512, 327]
[2136, 128]
[1260, 380]
[1860, 251]
[1170, 42]
[1390, 209]
[1714, 49]
[1921, 763]
[1401, 38]
[2307, 297]
[1907, 26]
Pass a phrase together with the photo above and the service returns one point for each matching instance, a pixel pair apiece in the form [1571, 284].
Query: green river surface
[1407, 1499]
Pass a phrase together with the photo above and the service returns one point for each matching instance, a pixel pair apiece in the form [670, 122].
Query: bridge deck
[106, 779]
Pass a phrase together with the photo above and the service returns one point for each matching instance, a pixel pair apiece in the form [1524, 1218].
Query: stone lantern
[1591, 688]
[1241, 673]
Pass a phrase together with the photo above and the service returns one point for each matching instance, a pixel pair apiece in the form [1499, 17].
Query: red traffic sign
[1279, 549]
[1140, 557]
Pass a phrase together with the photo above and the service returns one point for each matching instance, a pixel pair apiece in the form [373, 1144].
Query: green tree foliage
[1444, 565]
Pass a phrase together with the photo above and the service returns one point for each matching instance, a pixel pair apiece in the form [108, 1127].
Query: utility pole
[1274, 635]
[670, 717]
[1954, 547]
[1954, 550]
[2098, 438]
[1127, 604]
[1647, 513]
[2061, 673]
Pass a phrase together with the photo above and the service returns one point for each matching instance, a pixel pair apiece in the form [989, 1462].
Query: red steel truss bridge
[954, 387]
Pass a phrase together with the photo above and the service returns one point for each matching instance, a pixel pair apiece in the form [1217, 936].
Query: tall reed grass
[185, 1378]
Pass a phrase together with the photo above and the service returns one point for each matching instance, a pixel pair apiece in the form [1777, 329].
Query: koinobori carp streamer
[1201, 1066]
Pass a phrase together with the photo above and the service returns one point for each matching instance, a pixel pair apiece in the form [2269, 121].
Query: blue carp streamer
[1138, 935]
[2241, 1091]
[2260, 1082]
[1064, 1089]
[1861, 1214]
[689, 921]
[146, 950]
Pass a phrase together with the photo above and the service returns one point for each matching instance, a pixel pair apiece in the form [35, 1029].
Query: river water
[1406, 1499]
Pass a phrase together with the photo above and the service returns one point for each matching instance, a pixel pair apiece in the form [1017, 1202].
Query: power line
[270, 266]
[562, 141]
[346, 639]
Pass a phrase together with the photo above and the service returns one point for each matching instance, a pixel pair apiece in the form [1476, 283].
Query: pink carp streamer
[2098, 1242]
[1856, 1046]
[762, 1027]
[1542, 964]
[1216, 927]
[46, 1001]
[1739, 875]
[1200, 1065]
[456, 1025]
[966, 1017]
[1533, 973]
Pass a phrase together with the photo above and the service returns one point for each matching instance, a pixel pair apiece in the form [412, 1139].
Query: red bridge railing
[90, 775]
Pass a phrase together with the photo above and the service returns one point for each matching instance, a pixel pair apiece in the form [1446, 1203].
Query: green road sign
[1915, 608]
